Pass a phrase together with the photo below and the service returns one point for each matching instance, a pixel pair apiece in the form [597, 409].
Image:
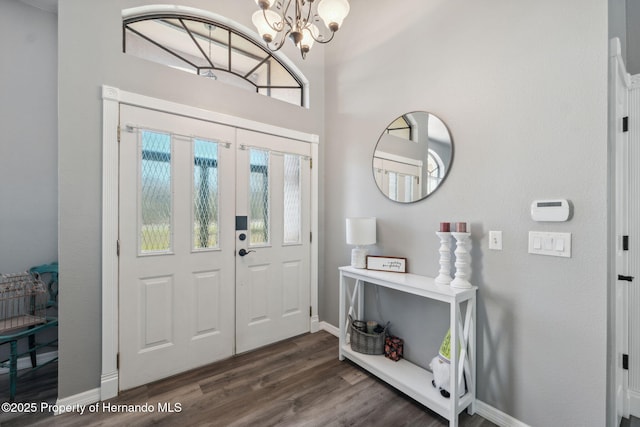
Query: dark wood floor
[297, 382]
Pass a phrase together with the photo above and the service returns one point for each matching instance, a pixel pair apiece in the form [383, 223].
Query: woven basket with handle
[366, 343]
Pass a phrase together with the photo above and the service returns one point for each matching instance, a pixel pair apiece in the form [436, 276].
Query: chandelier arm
[323, 41]
[307, 21]
[285, 8]
[278, 46]
[282, 34]
[274, 26]
[286, 18]
[308, 24]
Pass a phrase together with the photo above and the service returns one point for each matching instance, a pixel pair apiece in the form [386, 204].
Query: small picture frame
[387, 263]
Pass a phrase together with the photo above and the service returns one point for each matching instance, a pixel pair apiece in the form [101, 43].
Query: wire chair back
[23, 301]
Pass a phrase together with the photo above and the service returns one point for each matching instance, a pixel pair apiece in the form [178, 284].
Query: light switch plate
[495, 240]
[551, 244]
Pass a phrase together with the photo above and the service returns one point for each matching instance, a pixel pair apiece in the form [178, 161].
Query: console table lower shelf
[407, 377]
[410, 379]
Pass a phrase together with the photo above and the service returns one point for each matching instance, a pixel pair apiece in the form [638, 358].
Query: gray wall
[633, 37]
[90, 43]
[624, 23]
[29, 141]
[537, 360]
[523, 89]
[618, 23]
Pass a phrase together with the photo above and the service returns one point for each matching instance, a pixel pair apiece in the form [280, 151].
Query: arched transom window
[211, 49]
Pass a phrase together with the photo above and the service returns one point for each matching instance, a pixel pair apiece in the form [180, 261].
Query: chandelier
[278, 19]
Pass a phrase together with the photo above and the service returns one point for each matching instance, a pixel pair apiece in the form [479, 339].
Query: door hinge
[625, 361]
[119, 131]
[310, 163]
[117, 247]
[625, 124]
[625, 278]
[117, 360]
[310, 311]
[310, 237]
[625, 243]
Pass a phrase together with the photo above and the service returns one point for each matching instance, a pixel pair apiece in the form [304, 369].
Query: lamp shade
[308, 35]
[267, 33]
[361, 231]
[333, 12]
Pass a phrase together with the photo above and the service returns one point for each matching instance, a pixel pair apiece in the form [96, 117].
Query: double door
[214, 226]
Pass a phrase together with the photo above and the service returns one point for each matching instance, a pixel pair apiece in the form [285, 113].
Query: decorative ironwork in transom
[212, 50]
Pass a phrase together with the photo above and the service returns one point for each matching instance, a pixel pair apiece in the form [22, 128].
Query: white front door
[192, 195]
[176, 237]
[273, 239]
[632, 271]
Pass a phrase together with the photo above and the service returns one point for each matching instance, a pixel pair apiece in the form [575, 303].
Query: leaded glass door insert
[156, 204]
[272, 271]
[176, 231]
[205, 195]
[259, 197]
[292, 190]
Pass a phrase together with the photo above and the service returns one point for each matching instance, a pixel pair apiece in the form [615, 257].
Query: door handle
[243, 252]
[625, 278]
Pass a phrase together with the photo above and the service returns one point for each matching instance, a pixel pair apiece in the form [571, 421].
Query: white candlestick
[463, 261]
[444, 276]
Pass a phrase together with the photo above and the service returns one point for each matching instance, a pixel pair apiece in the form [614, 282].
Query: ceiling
[48, 5]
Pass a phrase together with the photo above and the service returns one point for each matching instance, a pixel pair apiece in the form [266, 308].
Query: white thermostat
[550, 210]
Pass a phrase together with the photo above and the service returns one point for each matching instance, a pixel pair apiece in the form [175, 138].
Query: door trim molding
[112, 97]
[617, 389]
[110, 173]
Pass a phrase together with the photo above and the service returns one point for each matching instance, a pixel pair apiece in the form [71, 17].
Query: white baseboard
[77, 400]
[25, 362]
[496, 416]
[633, 401]
[329, 328]
[109, 385]
[315, 324]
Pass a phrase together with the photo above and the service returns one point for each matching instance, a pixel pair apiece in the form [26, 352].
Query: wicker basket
[362, 342]
[23, 301]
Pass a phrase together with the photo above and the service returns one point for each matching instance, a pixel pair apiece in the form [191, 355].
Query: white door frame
[627, 400]
[619, 79]
[112, 97]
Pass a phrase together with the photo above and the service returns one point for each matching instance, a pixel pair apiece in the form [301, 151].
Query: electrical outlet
[495, 240]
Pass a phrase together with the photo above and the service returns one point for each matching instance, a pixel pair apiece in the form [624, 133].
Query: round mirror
[412, 157]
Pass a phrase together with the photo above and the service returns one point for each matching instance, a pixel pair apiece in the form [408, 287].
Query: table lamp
[360, 232]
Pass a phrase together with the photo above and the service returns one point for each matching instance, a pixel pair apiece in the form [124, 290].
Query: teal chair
[48, 274]
[51, 270]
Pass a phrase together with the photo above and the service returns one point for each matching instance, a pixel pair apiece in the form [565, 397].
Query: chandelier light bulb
[265, 30]
[333, 13]
[309, 35]
[263, 4]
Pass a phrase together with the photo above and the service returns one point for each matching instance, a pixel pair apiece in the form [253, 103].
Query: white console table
[407, 377]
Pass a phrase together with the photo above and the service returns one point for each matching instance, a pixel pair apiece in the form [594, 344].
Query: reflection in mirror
[412, 157]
